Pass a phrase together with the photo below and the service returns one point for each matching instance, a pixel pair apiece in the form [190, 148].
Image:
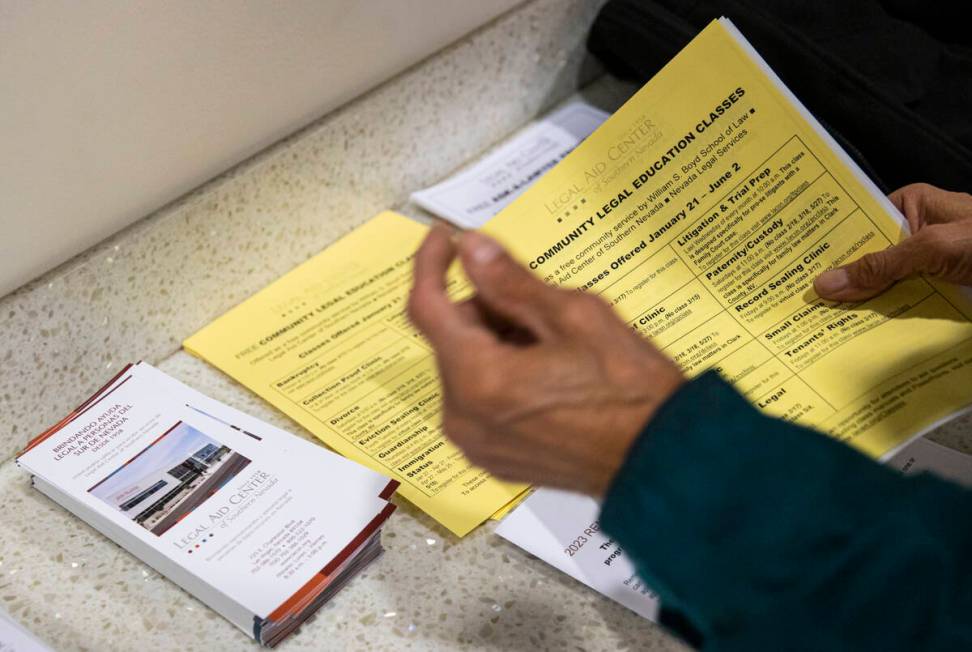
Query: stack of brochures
[230, 508]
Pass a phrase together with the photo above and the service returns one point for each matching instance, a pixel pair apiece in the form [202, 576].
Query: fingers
[504, 330]
[864, 278]
[506, 287]
[443, 322]
[940, 246]
[908, 200]
[940, 250]
[923, 204]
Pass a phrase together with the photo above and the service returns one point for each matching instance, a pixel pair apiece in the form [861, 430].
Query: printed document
[474, 195]
[925, 455]
[329, 345]
[703, 209]
[562, 529]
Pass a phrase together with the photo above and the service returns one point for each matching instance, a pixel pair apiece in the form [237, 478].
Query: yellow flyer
[330, 345]
[703, 209]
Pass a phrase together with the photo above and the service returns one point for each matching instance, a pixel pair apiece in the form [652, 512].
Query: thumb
[506, 287]
[867, 276]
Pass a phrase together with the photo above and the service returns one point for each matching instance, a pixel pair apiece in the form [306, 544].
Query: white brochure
[260, 525]
[926, 455]
[474, 195]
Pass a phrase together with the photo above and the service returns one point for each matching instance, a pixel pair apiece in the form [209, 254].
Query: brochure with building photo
[242, 521]
[284, 442]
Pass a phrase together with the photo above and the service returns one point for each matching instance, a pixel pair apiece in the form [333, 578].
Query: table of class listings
[378, 391]
[723, 284]
[710, 295]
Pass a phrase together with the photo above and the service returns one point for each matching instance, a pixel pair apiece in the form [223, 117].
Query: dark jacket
[890, 79]
[762, 535]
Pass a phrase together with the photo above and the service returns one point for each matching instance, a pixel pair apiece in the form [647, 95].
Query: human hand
[940, 246]
[540, 384]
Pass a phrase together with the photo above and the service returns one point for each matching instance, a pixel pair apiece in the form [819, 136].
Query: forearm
[765, 535]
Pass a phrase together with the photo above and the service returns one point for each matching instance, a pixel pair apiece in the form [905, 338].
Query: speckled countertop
[430, 591]
[137, 295]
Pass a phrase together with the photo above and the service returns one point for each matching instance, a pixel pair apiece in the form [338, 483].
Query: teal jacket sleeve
[763, 535]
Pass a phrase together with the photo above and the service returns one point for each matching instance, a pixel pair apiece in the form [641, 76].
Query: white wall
[109, 110]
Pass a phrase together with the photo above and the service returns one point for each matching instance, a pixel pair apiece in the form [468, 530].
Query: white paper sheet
[561, 528]
[474, 195]
[15, 638]
[924, 455]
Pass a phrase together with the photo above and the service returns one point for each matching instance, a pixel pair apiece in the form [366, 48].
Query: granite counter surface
[137, 295]
[429, 591]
